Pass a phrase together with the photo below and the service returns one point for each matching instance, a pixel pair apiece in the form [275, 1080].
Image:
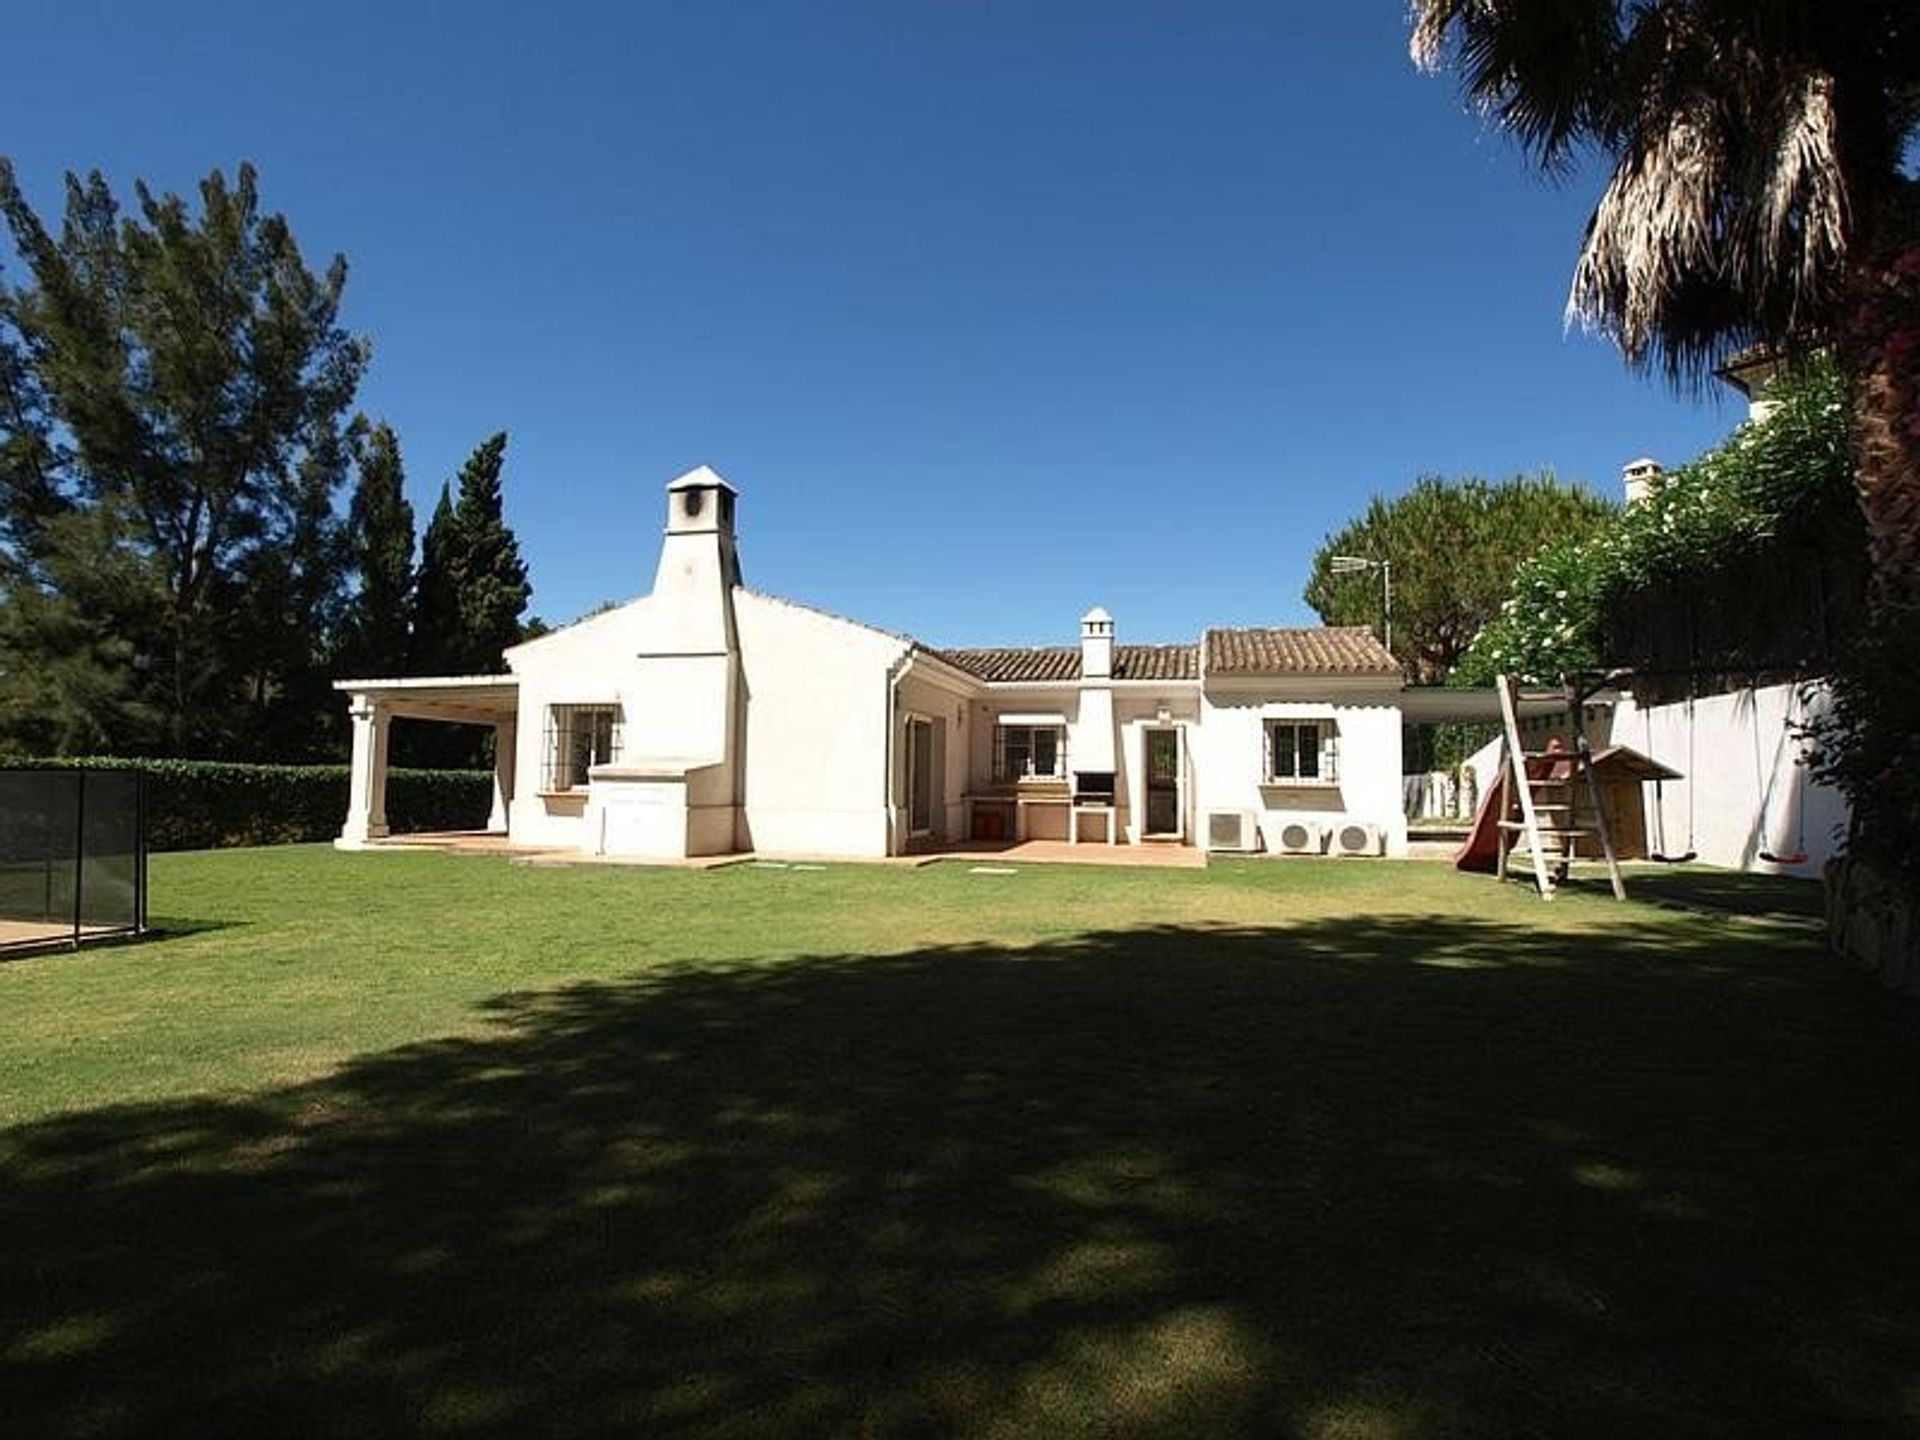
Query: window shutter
[1329, 753]
[1266, 751]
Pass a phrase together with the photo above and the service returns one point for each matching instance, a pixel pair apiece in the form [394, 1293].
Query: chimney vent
[1641, 478]
[1096, 645]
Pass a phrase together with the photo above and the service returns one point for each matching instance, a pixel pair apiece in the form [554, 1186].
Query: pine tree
[285, 604]
[172, 389]
[380, 538]
[1453, 545]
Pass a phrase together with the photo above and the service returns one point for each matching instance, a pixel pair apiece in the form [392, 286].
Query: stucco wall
[1135, 713]
[1748, 786]
[1229, 756]
[943, 702]
[815, 740]
[585, 664]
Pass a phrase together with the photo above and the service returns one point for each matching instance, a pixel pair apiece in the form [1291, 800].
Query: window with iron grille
[1302, 752]
[1029, 752]
[578, 738]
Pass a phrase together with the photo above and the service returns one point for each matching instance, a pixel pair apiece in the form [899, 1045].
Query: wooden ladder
[1553, 838]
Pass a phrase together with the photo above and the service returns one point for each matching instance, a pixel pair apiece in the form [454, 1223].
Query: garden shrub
[210, 804]
[1749, 560]
[1869, 743]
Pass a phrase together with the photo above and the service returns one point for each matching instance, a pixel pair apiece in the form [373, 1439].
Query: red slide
[1481, 853]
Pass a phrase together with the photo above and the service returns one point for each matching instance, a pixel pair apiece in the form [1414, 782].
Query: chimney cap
[1096, 616]
[1643, 464]
[702, 477]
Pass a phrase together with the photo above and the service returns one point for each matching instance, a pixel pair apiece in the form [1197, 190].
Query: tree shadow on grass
[1787, 899]
[1391, 1177]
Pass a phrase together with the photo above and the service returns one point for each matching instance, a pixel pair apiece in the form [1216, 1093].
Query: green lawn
[414, 1143]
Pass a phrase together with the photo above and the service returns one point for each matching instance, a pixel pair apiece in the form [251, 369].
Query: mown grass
[425, 1143]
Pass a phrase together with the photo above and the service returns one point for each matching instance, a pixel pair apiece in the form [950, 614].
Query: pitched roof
[1319, 650]
[1041, 664]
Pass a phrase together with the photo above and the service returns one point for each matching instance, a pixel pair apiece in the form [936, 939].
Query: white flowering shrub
[1777, 484]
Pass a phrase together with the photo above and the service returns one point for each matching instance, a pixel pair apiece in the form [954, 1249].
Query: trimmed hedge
[210, 804]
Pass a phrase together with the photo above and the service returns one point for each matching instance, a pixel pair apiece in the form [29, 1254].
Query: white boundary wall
[1746, 775]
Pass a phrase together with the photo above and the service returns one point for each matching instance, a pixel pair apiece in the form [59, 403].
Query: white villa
[709, 719]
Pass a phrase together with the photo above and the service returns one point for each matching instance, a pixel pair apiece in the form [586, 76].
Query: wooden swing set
[1550, 801]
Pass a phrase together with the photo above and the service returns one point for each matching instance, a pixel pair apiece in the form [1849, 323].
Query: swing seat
[1799, 857]
[1674, 859]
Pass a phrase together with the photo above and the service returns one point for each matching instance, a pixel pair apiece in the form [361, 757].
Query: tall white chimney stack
[1642, 478]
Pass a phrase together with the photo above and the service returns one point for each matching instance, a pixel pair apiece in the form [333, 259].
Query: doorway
[1163, 784]
[920, 776]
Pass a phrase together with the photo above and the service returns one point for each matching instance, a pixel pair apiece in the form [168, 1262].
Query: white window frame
[1004, 750]
[567, 768]
[1325, 750]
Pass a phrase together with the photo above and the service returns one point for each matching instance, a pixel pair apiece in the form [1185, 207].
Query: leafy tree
[1453, 546]
[72, 621]
[1742, 561]
[174, 387]
[286, 602]
[380, 535]
[29, 464]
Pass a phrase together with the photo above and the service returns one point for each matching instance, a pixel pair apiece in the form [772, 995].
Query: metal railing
[73, 856]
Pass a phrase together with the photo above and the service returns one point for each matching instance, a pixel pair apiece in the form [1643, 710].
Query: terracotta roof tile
[1320, 650]
[1042, 664]
[1156, 662]
[1017, 663]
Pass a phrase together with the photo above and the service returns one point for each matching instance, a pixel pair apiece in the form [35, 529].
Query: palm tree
[1757, 194]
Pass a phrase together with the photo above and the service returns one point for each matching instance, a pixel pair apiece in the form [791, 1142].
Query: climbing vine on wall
[1749, 559]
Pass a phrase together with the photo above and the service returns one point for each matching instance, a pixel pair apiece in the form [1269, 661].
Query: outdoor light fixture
[1359, 565]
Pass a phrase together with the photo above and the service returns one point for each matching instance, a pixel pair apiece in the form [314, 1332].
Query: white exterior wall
[1230, 750]
[1135, 713]
[1744, 774]
[816, 755]
[590, 663]
[927, 695]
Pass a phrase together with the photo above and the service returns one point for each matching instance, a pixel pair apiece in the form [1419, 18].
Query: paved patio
[1025, 852]
[1059, 852]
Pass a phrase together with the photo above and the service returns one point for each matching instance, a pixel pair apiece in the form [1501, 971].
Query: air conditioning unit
[1298, 837]
[1232, 830]
[1358, 837]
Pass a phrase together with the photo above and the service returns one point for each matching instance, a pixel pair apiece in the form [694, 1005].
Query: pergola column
[367, 780]
[506, 740]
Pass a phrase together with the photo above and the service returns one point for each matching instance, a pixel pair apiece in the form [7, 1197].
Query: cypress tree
[380, 534]
[490, 578]
[436, 603]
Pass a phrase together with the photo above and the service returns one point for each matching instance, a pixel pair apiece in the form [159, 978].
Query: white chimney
[1641, 478]
[1091, 745]
[1096, 645]
[675, 789]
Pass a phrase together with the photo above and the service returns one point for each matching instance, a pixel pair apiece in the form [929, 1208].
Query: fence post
[79, 849]
[140, 852]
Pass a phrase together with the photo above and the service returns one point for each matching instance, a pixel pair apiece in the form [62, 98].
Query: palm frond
[1537, 69]
[1798, 236]
[1653, 233]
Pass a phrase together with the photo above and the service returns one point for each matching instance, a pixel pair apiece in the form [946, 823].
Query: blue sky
[991, 311]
